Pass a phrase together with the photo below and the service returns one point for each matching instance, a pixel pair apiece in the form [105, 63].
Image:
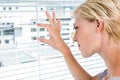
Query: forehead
[78, 20]
[81, 21]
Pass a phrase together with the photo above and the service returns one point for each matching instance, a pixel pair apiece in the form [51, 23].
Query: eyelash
[76, 27]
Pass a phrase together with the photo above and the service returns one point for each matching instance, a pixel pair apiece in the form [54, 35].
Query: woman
[97, 25]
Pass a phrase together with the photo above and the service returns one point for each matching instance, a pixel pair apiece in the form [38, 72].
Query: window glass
[33, 29]
[22, 56]
[0, 33]
[42, 29]
[8, 32]
[0, 41]
[34, 38]
[6, 41]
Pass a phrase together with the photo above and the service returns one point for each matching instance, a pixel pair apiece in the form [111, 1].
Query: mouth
[78, 45]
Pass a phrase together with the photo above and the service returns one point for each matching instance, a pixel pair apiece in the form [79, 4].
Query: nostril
[74, 40]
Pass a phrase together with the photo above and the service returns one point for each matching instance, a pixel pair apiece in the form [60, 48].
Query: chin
[86, 55]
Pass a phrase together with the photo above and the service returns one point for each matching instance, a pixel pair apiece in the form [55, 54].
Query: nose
[74, 37]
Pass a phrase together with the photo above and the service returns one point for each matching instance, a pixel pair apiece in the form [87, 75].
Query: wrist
[65, 50]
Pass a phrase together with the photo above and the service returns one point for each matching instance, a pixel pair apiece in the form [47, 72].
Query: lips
[78, 45]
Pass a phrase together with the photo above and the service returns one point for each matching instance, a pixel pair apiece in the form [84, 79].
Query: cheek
[84, 37]
[91, 45]
[80, 38]
[87, 44]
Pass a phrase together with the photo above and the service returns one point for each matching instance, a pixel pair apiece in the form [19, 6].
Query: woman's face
[87, 36]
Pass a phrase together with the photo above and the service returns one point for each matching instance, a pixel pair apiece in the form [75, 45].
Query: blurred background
[22, 56]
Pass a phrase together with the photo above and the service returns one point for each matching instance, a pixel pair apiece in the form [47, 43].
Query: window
[3, 23]
[66, 38]
[52, 8]
[6, 41]
[4, 8]
[0, 41]
[42, 36]
[65, 34]
[42, 29]
[33, 30]
[29, 59]
[0, 33]
[34, 22]
[41, 9]
[8, 32]
[8, 23]
[65, 24]
[10, 8]
[16, 7]
[34, 38]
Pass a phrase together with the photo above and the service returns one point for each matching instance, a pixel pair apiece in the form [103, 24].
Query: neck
[111, 55]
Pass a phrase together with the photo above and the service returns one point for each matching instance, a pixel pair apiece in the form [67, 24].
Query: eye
[76, 27]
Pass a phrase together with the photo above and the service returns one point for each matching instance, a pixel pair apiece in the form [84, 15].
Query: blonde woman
[97, 25]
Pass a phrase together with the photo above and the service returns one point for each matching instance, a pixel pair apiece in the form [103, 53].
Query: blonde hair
[107, 10]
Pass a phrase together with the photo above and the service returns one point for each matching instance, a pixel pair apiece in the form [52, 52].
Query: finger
[59, 24]
[54, 17]
[49, 18]
[42, 25]
[43, 40]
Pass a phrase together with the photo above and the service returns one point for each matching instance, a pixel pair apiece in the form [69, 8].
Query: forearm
[77, 71]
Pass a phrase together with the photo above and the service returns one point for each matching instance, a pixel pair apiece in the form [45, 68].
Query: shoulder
[102, 74]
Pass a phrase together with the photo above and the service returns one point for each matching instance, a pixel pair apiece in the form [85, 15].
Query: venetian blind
[23, 57]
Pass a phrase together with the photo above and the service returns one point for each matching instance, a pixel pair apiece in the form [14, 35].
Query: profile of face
[87, 35]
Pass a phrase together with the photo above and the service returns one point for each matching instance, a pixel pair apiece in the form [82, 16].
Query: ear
[100, 25]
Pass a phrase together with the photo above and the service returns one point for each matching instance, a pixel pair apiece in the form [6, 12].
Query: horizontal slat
[49, 68]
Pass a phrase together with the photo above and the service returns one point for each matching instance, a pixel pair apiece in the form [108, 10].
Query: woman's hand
[53, 28]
